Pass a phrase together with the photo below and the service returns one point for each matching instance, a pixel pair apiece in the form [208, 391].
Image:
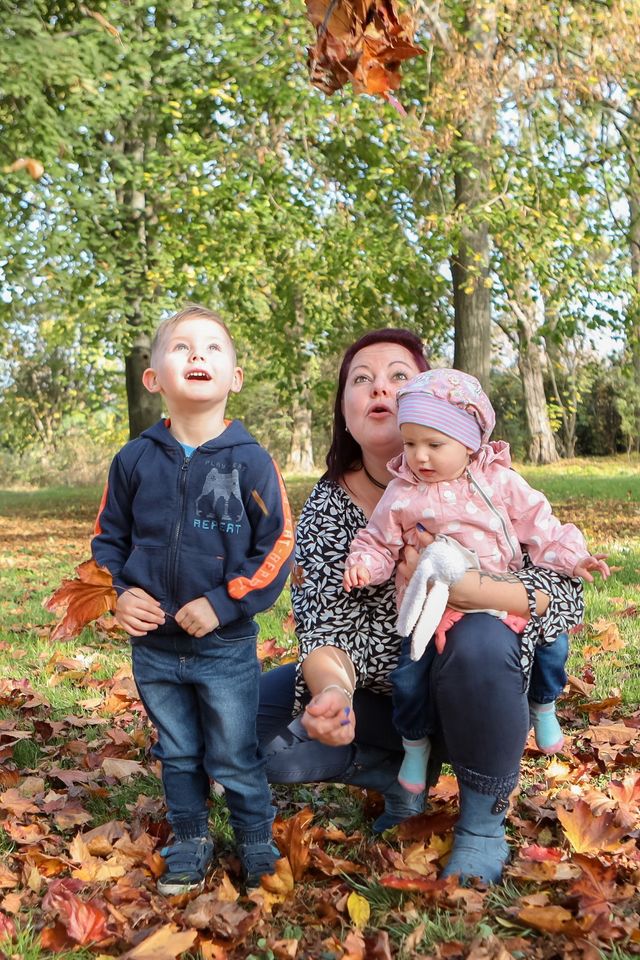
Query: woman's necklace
[376, 483]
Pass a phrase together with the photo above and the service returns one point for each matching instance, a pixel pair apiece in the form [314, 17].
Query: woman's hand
[410, 556]
[329, 718]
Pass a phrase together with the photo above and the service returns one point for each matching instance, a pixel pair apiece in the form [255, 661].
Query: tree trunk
[633, 311]
[470, 263]
[144, 407]
[301, 449]
[542, 445]
[567, 357]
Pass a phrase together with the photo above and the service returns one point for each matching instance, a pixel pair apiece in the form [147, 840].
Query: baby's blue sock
[413, 772]
[548, 734]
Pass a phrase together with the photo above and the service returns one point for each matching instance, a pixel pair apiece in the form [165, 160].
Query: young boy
[196, 530]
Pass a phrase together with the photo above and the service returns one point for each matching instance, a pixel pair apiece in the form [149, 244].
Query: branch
[440, 29]
[509, 334]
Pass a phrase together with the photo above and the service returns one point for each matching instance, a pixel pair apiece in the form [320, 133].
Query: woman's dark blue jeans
[478, 716]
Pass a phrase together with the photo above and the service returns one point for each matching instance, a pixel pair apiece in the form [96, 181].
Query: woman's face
[369, 400]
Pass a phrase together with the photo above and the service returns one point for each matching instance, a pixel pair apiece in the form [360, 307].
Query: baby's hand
[357, 576]
[197, 617]
[596, 563]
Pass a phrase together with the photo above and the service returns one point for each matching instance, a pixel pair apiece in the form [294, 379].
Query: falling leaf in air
[362, 41]
[34, 168]
[99, 18]
[80, 600]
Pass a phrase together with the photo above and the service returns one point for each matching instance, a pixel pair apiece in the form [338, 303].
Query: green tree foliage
[158, 153]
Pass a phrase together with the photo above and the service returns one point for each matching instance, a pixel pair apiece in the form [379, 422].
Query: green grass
[67, 502]
[25, 946]
[117, 805]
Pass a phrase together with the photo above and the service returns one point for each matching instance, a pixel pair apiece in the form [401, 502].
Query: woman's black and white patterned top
[363, 622]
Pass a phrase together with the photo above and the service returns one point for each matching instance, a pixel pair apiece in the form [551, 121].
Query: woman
[348, 644]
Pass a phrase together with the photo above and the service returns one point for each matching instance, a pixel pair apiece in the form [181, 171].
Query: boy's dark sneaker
[258, 860]
[188, 862]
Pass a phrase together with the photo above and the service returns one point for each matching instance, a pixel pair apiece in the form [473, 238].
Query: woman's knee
[481, 646]
[292, 757]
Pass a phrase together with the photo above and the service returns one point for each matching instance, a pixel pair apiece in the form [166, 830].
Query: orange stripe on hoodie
[273, 562]
[97, 529]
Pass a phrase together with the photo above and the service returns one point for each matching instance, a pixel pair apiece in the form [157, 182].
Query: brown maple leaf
[85, 921]
[165, 943]
[551, 919]
[362, 41]
[80, 600]
[597, 887]
[7, 927]
[589, 834]
[295, 839]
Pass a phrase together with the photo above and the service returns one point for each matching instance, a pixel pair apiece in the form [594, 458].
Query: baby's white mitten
[441, 564]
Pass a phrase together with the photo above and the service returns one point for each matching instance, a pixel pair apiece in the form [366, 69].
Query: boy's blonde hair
[190, 311]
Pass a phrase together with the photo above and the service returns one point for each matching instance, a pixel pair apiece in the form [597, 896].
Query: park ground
[81, 813]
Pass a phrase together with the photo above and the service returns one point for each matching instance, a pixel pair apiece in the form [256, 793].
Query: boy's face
[194, 365]
[433, 456]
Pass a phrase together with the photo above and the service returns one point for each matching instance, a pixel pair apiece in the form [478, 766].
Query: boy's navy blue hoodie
[216, 524]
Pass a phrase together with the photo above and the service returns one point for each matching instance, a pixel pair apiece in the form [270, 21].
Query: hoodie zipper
[474, 483]
[182, 485]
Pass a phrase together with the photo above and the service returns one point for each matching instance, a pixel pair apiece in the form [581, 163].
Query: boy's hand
[358, 576]
[138, 612]
[197, 617]
[596, 563]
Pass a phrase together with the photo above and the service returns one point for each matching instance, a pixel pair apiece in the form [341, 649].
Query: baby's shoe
[546, 729]
[258, 859]
[187, 863]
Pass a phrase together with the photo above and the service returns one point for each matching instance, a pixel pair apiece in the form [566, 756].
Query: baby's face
[433, 456]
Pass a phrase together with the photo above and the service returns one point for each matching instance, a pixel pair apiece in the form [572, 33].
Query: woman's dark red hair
[345, 453]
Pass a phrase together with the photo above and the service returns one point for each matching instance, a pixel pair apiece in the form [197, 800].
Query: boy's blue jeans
[548, 676]
[202, 699]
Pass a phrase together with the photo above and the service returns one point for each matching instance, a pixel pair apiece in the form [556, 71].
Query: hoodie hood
[234, 435]
[398, 467]
[496, 453]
